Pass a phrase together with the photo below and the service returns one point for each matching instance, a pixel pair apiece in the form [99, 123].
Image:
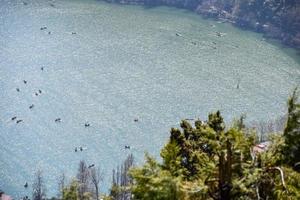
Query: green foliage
[172, 161]
[202, 156]
[208, 161]
[70, 192]
[153, 183]
[121, 182]
[292, 131]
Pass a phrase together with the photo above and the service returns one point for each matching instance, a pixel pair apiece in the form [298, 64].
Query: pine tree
[208, 161]
[153, 183]
[292, 131]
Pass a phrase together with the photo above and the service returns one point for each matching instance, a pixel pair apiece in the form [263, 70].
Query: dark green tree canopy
[207, 161]
[292, 131]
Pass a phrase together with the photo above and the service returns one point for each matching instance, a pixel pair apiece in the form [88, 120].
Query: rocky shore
[275, 19]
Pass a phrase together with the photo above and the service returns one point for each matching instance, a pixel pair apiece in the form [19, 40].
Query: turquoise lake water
[124, 62]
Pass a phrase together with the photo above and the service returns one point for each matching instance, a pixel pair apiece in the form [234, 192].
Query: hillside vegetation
[277, 19]
[207, 161]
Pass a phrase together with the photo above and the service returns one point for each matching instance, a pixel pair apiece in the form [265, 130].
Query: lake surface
[124, 62]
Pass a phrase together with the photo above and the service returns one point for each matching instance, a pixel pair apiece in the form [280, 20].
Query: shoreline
[272, 27]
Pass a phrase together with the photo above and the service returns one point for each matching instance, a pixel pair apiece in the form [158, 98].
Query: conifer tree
[292, 131]
[208, 161]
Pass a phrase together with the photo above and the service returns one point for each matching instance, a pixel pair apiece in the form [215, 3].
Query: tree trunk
[97, 192]
[225, 173]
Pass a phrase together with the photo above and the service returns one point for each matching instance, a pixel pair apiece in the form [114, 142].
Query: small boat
[92, 165]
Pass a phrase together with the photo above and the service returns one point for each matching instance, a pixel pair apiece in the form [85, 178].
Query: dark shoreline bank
[273, 20]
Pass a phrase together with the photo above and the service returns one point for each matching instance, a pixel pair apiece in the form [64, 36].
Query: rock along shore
[275, 19]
